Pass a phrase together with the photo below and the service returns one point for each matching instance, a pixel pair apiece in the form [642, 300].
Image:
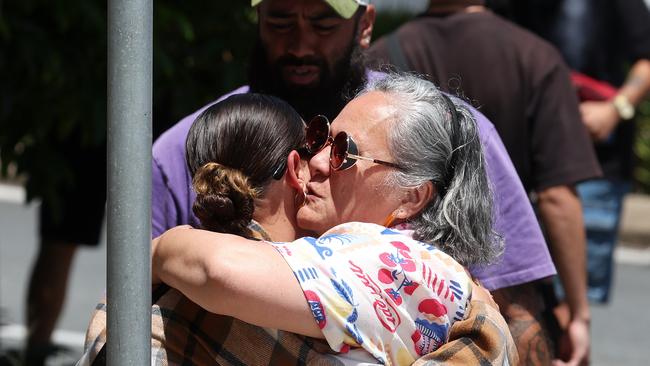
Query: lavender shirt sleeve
[526, 257]
[172, 194]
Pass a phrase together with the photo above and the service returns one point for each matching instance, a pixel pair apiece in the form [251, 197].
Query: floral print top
[377, 289]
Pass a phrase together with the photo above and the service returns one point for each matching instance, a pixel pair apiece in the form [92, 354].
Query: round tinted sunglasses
[344, 153]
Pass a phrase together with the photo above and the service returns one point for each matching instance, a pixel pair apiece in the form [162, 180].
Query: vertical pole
[130, 45]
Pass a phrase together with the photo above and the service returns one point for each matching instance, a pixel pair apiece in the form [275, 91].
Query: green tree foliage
[200, 52]
[52, 87]
[53, 79]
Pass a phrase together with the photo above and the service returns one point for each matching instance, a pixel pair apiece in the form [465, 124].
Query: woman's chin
[311, 220]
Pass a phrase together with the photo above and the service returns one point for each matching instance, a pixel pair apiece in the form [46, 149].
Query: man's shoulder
[501, 31]
[531, 48]
[172, 141]
[461, 25]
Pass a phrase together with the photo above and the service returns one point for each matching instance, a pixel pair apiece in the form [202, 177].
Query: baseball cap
[345, 8]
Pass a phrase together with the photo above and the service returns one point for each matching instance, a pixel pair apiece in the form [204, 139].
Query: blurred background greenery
[53, 79]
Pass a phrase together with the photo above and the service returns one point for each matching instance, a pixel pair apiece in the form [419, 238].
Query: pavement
[619, 329]
[635, 221]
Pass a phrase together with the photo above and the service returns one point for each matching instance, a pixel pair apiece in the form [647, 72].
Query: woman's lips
[310, 190]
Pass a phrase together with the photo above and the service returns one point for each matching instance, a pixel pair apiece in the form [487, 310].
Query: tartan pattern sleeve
[482, 338]
[183, 333]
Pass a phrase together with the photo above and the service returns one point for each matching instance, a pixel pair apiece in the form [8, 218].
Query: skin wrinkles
[335, 196]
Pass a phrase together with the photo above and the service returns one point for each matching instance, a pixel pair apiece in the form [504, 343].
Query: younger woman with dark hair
[238, 151]
[249, 180]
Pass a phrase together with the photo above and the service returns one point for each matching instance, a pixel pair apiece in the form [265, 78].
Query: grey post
[130, 49]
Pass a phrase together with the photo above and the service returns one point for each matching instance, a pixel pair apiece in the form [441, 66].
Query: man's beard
[334, 89]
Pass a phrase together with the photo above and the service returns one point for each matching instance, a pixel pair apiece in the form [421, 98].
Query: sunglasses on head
[344, 153]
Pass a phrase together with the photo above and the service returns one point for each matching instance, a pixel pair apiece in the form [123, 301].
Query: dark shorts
[81, 214]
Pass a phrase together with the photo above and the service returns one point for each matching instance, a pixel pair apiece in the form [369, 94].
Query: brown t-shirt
[515, 78]
[601, 39]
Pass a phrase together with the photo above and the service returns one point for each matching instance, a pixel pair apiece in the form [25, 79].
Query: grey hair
[433, 143]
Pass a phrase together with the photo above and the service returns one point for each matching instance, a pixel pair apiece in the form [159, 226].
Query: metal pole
[130, 45]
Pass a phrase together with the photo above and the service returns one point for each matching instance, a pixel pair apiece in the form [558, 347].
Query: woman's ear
[415, 200]
[297, 173]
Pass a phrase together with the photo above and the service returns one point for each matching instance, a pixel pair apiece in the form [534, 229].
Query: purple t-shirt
[526, 257]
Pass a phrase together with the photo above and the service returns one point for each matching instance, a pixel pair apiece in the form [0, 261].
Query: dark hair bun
[225, 199]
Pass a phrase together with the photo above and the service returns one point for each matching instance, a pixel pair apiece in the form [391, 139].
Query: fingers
[574, 345]
[482, 294]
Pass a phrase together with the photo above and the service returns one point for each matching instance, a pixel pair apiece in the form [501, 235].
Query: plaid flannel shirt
[182, 333]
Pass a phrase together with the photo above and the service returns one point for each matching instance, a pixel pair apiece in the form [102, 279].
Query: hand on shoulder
[480, 293]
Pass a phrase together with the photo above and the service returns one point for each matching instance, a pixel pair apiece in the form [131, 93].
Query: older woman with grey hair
[435, 145]
[399, 196]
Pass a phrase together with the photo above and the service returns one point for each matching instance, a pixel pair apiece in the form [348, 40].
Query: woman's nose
[319, 165]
